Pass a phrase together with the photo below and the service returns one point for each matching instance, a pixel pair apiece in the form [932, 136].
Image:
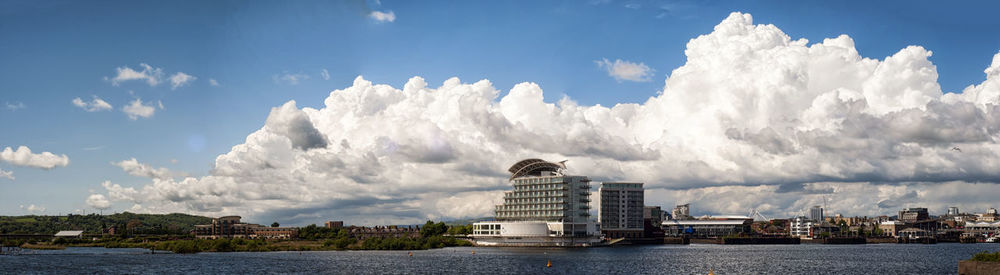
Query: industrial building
[621, 211]
[546, 208]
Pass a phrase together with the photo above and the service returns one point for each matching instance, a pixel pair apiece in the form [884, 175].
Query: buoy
[711, 271]
[549, 264]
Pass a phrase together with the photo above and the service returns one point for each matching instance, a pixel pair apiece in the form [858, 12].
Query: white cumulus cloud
[153, 76]
[15, 106]
[135, 168]
[98, 201]
[33, 208]
[213, 82]
[136, 109]
[625, 70]
[381, 17]
[289, 78]
[7, 174]
[96, 104]
[180, 79]
[24, 157]
[754, 116]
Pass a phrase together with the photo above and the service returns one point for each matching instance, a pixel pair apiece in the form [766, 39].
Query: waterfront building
[983, 228]
[621, 212]
[891, 228]
[654, 214]
[913, 214]
[801, 227]
[914, 233]
[681, 212]
[953, 211]
[708, 227]
[989, 216]
[545, 208]
[231, 227]
[816, 213]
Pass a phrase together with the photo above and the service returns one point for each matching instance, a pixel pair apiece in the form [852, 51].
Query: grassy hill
[92, 224]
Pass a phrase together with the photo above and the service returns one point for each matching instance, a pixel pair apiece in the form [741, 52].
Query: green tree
[275, 224]
[433, 229]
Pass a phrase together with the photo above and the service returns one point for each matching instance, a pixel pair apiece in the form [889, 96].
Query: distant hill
[124, 222]
[468, 221]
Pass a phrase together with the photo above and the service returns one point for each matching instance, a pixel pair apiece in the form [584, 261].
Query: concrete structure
[546, 208]
[231, 227]
[953, 211]
[621, 211]
[913, 214]
[334, 224]
[816, 213]
[681, 212]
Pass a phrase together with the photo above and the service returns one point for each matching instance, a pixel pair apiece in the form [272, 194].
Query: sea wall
[978, 268]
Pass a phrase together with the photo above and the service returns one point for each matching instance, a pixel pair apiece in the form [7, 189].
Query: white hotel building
[546, 208]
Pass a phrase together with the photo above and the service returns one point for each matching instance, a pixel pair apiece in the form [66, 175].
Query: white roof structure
[73, 233]
[704, 222]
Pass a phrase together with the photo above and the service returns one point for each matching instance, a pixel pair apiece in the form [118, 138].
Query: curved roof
[533, 166]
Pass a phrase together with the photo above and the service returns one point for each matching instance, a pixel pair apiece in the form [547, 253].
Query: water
[653, 259]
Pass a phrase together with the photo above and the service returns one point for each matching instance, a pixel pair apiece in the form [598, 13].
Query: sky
[395, 112]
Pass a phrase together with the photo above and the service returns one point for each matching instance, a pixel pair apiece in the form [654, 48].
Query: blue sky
[55, 51]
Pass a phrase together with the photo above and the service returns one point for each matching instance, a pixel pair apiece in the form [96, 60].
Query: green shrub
[986, 257]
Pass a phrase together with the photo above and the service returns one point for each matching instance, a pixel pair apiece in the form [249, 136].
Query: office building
[953, 211]
[621, 211]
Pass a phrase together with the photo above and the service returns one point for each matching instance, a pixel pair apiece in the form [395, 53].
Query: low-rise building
[891, 228]
[708, 227]
[231, 227]
[70, 234]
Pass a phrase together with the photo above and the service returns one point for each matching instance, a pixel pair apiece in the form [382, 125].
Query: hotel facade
[545, 208]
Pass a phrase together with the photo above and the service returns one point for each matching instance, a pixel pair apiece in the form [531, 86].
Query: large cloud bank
[753, 119]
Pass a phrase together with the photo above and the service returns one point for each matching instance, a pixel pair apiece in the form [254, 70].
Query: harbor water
[651, 259]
